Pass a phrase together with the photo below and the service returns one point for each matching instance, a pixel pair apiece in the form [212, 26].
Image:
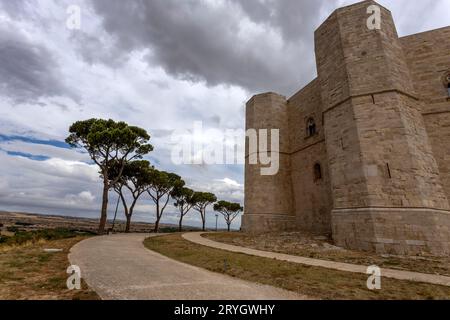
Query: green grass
[314, 282]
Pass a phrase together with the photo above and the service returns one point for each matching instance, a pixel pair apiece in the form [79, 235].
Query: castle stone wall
[268, 199]
[427, 55]
[438, 128]
[312, 197]
[382, 114]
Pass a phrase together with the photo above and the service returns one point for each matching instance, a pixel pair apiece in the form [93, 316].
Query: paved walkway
[389, 273]
[120, 267]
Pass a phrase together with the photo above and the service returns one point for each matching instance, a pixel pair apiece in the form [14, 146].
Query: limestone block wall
[268, 199]
[427, 56]
[312, 202]
[373, 126]
[330, 62]
[405, 231]
[312, 197]
[379, 153]
[374, 59]
[303, 105]
[382, 116]
[400, 169]
[438, 128]
[346, 168]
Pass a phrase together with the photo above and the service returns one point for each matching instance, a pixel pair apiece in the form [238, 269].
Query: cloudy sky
[158, 64]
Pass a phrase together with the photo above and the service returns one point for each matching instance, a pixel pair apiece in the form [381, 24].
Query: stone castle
[365, 147]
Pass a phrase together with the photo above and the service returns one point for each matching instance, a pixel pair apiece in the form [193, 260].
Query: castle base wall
[400, 231]
[262, 223]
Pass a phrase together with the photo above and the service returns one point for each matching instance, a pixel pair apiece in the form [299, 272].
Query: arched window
[317, 172]
[311, 128]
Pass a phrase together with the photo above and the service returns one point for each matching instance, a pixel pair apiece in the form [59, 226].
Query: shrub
[56, 234]
[3, 239]
[12, 229]
[168, 229]
[21, 237]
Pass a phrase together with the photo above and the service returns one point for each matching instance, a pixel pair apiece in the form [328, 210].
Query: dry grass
[28, 273]
[311, 281]
[295, 243]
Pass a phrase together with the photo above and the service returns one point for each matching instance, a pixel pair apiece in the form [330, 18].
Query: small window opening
[311, 127]
[388, 167]
[447, 84]
[317, 172]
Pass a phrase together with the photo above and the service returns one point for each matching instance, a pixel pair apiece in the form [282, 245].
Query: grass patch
[299, 245]
[28, 273]
[314, 282]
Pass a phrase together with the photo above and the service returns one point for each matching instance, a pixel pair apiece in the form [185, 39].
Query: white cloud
[230, 182]
[81, 198]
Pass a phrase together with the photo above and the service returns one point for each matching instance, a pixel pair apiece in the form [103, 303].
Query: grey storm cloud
[194, 40]
[15, 8]
[93, 50]
[294, 18]
[27, 70]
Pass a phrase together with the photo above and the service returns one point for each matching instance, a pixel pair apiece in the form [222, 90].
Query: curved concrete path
[120, 267]
[196, 237]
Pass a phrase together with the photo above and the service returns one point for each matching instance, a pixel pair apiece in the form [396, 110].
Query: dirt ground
[299, 244]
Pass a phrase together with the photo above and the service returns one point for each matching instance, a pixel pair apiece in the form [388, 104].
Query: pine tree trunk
[158, 217]
[204, 221]
[181, 224]
[104, 212]
[156, 226]
[128, 226]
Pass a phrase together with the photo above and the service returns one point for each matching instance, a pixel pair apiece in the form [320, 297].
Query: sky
[159, 64]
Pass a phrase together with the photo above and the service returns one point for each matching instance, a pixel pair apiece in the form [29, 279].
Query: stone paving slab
[196, 237]
[119, 267]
